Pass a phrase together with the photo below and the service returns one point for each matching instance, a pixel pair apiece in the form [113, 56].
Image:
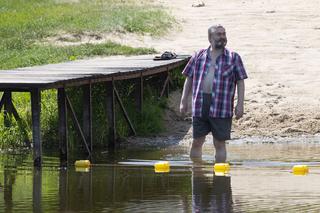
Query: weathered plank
[76, 73]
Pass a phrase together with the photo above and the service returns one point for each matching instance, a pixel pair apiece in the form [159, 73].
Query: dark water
[260, 181]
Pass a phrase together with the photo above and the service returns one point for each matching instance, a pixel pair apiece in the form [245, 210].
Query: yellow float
[162, 167]
[300, 170]
[221, 169]
[82, 163]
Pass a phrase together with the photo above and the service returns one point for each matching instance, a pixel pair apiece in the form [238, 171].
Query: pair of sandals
[166, 56]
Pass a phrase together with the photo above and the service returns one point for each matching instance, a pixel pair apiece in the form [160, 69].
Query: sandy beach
[280, 47]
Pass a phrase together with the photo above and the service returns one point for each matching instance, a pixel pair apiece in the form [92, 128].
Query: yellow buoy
[82, 163]
[221, 168]
[162, 167]
[300, 170]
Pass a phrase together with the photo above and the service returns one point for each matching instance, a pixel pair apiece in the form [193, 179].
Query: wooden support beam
[21, 124]
[124, 112]
[36, 129]
[139, 92]
[165, 86]
[7, 108]
[77, 124]
[14, 90]
[2, 101]
[7, 100]
[63, 127]
[168, 84]
[87, 114]
[111, 117]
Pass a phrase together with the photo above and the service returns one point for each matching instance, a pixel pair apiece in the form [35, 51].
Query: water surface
[260, 181]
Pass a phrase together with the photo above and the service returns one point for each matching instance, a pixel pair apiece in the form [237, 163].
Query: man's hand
[239, 108]
[238, 111]
[184, 97]
[183, 107]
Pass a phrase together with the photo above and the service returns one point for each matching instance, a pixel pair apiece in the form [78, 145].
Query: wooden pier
[83, 73]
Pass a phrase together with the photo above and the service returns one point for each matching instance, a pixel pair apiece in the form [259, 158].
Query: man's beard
[220, 44]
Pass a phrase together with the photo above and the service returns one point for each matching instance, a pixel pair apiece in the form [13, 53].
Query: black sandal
[166, 56]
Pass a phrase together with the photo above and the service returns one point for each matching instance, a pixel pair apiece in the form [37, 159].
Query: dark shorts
[219, 127]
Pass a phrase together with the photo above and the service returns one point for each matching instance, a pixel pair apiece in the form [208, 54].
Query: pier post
[7, 96]
[139, 93]
[110, 103]
[87, 114]
[63, 130]
[36, 129]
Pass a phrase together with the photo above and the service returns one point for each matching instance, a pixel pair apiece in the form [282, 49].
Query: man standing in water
[213, 74]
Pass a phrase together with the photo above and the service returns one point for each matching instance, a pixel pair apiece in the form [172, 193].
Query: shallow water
[260, 181]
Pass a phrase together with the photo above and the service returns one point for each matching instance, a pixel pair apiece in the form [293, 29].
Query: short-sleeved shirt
[228, 70]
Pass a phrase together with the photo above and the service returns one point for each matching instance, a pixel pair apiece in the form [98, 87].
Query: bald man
[212, 75]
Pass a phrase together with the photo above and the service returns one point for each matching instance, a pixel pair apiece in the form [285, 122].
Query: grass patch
[36, 19]
[26, 24]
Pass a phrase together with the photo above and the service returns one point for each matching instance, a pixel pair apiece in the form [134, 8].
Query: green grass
[27, 25]
[37, 19]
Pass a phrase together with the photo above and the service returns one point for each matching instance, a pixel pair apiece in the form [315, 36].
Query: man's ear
[210, 38]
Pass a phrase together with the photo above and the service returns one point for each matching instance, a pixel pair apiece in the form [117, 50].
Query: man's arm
[239, 107]
[185, 93]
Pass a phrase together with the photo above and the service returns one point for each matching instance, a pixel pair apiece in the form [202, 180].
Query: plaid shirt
[228, 70]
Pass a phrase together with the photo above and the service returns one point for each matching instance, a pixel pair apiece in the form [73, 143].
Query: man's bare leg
[196, 148]
[221, 153]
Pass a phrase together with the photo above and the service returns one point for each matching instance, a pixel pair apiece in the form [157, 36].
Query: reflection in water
[9, 177]
[63, 189]
[210, 193]
[257, 186]
[75, 191]
[37, 188]
[123, 189]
